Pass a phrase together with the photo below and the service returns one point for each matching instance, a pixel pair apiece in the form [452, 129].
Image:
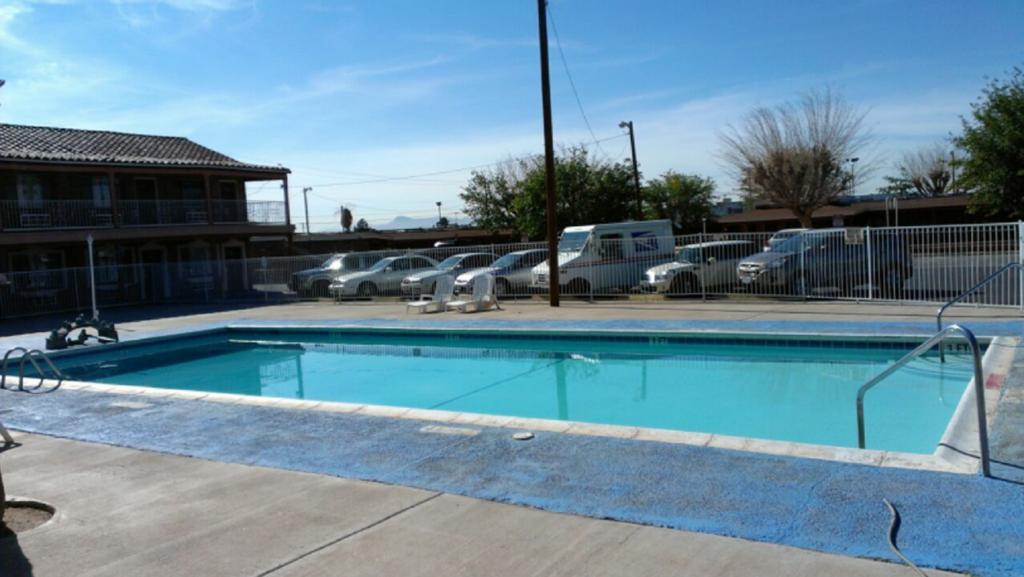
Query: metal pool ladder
[979, 386]
[969, 292]
[29, 355]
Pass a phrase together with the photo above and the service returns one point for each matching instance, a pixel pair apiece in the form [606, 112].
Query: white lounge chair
[444, 288]
[8, 439]
[483, 296]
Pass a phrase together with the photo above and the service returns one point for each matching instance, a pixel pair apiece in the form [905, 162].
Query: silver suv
[383, 278]
[512, 272]
[711, 264]
[423, 282]
[316, 281]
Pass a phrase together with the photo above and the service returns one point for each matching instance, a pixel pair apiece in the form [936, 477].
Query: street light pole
[438, 203]
[628, 125]
[549, 157]
[853, 174]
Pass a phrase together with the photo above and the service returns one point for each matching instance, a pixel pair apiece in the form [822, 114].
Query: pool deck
[129, 512]
[951, 521]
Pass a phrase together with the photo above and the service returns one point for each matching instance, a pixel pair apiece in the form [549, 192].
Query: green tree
[993, 139]
[362, 225]
[442, 223]
[490, 196]
[346, 219]
[684, 199]
[512, 196]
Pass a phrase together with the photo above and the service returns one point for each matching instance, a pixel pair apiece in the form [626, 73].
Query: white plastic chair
[444, 289]
[483, 296]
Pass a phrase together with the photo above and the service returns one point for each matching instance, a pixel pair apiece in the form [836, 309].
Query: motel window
[100, 191]
[192, 191]
[30, 191]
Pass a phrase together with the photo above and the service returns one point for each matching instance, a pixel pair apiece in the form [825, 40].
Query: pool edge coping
[959, 432]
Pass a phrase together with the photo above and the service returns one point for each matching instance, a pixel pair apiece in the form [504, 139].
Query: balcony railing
[45, 214]
[60, 214]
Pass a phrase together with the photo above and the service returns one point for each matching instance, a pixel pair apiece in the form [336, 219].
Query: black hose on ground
[894, 528]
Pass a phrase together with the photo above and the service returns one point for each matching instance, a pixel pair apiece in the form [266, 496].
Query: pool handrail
[979, 386]
[967, 293]
[28, 355]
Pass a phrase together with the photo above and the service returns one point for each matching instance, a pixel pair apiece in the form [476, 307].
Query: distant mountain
[405, 222]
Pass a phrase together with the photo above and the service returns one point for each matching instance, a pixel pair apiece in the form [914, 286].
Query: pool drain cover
[21, 516]
[523, 436]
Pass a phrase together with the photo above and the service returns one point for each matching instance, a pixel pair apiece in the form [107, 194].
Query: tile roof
[49, 144]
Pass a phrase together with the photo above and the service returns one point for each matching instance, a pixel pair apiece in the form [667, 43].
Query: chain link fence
[924, 264]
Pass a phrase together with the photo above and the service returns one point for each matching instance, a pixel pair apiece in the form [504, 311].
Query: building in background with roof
[157, 207]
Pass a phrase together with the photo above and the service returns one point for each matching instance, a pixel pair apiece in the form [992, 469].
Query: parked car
[384, 277]
[711, 264]
[603, 257]
[782, 236]
[512, 273]
[423, 282]
[830, 258]
[317, 281]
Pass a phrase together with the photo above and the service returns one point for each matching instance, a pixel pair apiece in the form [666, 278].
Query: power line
[405, 177]
[572, 83]
[435, 173]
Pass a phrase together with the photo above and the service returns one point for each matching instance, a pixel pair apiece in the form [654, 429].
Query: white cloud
[188, 5]
[148, 13]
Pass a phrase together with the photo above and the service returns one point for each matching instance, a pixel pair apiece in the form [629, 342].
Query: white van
[598, 258]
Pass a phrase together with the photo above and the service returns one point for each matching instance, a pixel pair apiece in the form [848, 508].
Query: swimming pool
[777, 388]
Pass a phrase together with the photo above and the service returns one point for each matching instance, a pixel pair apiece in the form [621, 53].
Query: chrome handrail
[968, 292]
[3, 366]
[979, 386]
[27, 355]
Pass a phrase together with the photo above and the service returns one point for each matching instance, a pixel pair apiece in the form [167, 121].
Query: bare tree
[923, 172]
[794, 154]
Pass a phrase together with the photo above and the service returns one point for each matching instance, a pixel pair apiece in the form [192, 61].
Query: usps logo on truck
[645, 241]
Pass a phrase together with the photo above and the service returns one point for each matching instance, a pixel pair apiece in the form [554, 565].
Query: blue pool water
[786, 390]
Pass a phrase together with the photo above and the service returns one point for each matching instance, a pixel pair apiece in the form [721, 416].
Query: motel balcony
[82, 214]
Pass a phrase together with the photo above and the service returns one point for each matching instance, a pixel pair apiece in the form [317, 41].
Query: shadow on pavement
[13, 562]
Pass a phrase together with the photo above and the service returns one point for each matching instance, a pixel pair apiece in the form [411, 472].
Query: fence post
[1020, 259]
[871, 268]
[599, 243]
[92, 279]
[703, 261]
[803, 269]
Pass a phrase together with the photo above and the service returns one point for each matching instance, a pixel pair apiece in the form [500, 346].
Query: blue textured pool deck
[949, 521]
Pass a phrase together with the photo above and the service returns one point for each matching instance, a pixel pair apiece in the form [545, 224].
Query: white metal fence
[927, 264]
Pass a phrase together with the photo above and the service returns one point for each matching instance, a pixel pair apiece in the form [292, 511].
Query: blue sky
[349, 92]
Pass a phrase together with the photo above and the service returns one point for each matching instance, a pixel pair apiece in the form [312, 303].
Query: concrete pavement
[128, 512]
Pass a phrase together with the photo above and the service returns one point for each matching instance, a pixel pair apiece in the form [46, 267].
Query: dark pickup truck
[835, 258]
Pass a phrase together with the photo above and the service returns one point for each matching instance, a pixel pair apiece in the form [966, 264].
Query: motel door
[235, 264]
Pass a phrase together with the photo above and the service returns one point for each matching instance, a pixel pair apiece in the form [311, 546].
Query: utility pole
[305, 202]
[952, 168]
[549, 158]
[628, 125]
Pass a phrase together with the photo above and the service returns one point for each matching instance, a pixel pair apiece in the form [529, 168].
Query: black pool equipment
[61, 338]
